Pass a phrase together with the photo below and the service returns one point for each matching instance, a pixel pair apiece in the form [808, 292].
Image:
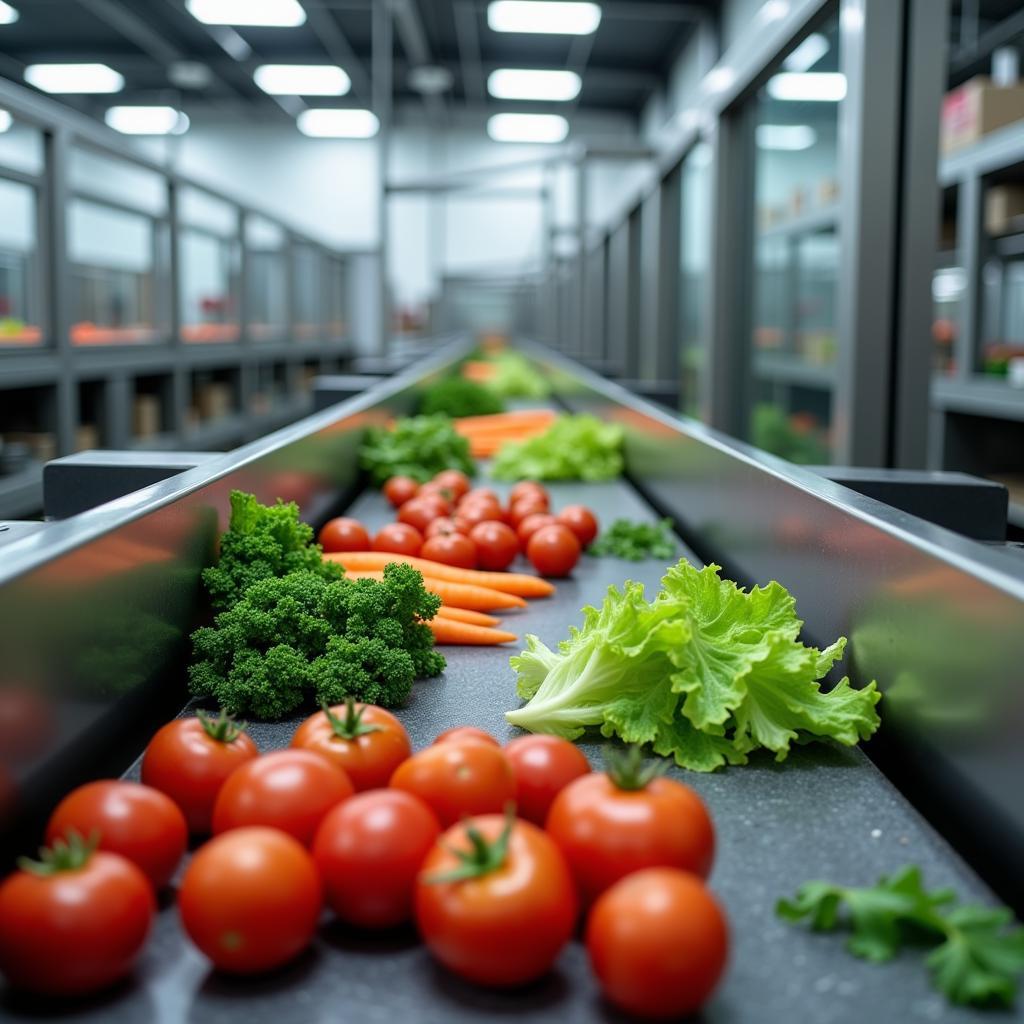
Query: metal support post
[382, 70]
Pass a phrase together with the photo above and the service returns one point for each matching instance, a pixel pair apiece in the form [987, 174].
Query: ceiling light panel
[807, 54]
[523, 84]
[273, 13]
[302, 79]
[527, 128]
[74, 79]
[787, 137]
[8, 14]
[147, 120]
[338, 124]
[543, 16]
[811, 86]
[6, 121]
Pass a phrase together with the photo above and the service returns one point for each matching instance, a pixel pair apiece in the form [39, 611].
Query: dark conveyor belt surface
[824, 813]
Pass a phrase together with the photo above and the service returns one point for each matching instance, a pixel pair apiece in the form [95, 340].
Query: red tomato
[496, 545]
[607, 832]
[528, 506]
[581, 521]
[507, 925]
[189, 759]
[399, 538]
[658, 942]
[450, 549]
[553, 550]
[527, 487]
[421, 512]
[344, 534]
[368, 742]
[479, 512]
[458, 778]
[481, 494]
[400, 489]
[289, 789]
[543, 767]
[250, 899]
[531, 524]
[369, 851]
[138, 822]
[446, 494]
[466, 732]
[447, 524]
[453, 480]
[76, 925]
[26, 723]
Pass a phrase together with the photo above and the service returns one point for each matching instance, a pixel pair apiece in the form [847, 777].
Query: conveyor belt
[825, 813]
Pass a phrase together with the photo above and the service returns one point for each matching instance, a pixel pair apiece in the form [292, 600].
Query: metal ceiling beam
[338, 48]
[132, 27]
[413, 36]
[469, 51]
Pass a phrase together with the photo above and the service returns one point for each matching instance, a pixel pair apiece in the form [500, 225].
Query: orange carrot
[456, 595]
[466, 615]
[448, 631]
[516, 583]
[506, 420]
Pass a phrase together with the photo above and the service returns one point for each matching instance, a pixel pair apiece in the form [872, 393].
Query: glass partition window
[113, 274]
[266, 281]
[210, 263]
[337, 299]
[20, 305]
[694, 257]
[103, 177]
[308, 270]
[793, 340]
[21, 145]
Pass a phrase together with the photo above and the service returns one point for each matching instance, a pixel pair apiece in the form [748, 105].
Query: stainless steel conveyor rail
[825, 812]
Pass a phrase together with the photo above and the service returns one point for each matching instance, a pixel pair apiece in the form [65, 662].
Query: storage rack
[59, 387]
[978, 418]
[826, 813]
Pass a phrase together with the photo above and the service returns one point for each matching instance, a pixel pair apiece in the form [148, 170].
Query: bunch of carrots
[467, 595]
[486, 434]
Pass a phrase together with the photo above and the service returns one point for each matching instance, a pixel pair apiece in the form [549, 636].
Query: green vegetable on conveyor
[635, 541]
[417, 446]
[976, 954]
[456, 397]
[573, 448]
[300, 637]
[706, 672]
[514, 376]
[262, 541]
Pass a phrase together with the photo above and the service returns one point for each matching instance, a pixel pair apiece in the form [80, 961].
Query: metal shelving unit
[977, 421]
[68, 380]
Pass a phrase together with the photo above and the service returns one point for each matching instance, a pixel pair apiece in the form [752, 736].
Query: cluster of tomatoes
[492, 852]
[448, 521]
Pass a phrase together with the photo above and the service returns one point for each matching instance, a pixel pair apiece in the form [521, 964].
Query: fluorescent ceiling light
[774, 10]
[807, 54]
[815, 86]
[521, 84]
[147, 120]
[5, 121]
[8, 14]
[338, 124]
[527, 127]
[792, 137]
[548, 16]
[74, 78]
[302, 79]
[276, 13]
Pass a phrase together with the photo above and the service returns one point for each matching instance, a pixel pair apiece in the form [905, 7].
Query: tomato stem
[627, 770]
[68, 854]
[223, 728]
[352, 725]
[482, 858]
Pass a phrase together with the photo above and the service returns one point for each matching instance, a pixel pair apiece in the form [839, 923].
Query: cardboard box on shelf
[42, 443]
[1004, 209]
[87, 437]
[146, 416]
[827, 191]
[976, 108]
[214, 401]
